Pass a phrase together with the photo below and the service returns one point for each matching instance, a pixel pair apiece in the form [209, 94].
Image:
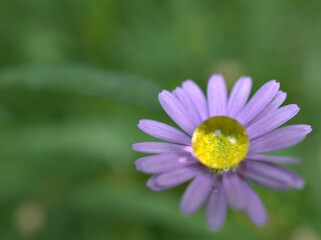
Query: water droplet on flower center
[220, 143]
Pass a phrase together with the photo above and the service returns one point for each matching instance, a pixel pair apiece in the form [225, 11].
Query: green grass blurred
[77, 75]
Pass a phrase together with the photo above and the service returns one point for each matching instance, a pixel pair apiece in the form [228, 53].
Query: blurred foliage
[77, 75]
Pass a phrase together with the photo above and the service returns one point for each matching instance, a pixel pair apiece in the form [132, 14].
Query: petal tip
[140, 123]
[274, 83]
[136, 147]
[185, 212]
[138, 164]
[215, 226]
[299, 184]
[152, 185]
[216, 77]
[308, 129]
[294, 108]
[162, 94]
[187, 82]
[143, 124]
[262, 223]
[247, 78]
[283, 95]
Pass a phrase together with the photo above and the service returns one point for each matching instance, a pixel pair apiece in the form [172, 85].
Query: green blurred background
[77, 75]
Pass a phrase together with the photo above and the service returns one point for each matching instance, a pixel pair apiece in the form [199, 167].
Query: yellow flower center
[220, 143]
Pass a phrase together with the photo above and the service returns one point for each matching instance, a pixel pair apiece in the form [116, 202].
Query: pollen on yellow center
[220, 143]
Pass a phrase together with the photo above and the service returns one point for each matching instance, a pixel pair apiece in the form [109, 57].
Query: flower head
[221, 147]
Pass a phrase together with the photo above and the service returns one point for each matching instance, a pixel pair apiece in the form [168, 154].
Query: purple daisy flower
[221, 147]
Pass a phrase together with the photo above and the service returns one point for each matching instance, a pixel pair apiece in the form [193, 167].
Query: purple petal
[217, 96]
[196, 193]
[188, 105]
[271, 159]
[164, 132]
[275, 104]
[159, 147]
[216, 209]
[164, 162]
[152, 184]
[280, 138]
[273, 172]
[263, 181]
[254, 206]
[198, 98]
[272, 121]
[258, 102]
[232, 185]
[174, 108]
[177, 177]
[239, 96]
